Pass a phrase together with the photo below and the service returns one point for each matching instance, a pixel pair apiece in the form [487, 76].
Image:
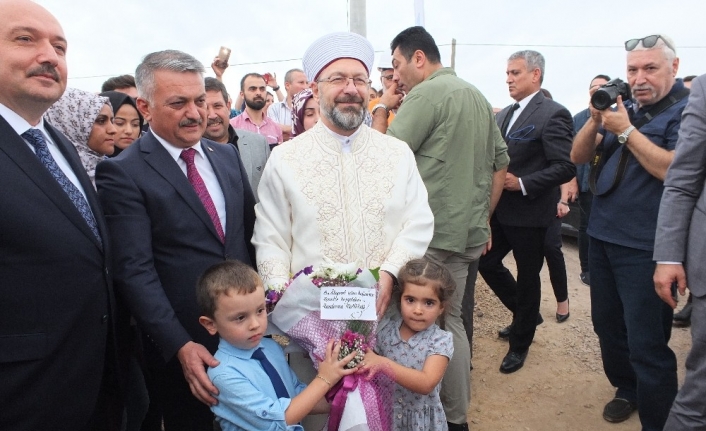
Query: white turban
[336, 46]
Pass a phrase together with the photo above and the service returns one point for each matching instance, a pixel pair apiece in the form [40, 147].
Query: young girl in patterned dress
[413, 348]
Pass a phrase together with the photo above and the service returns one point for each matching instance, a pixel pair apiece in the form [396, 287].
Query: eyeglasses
[647, 42]
[388, 77]
[342, 81]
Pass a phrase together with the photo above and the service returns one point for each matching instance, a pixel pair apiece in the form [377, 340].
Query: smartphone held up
[223, 57]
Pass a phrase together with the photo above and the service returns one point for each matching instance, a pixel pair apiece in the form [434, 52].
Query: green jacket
[450, 127]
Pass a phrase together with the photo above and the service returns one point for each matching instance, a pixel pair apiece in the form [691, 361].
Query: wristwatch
[380, 105]
[623, 137]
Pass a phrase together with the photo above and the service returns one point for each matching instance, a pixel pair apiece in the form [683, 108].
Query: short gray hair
[533, 59]
[171, 60]
[664, 43]
[288, 76]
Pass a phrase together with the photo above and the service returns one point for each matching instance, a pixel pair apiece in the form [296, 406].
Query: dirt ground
[562, 385]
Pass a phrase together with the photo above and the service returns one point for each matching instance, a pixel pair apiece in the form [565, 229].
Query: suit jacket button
[104, 319]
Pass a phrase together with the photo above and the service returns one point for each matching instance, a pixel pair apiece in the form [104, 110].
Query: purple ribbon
[337, 396]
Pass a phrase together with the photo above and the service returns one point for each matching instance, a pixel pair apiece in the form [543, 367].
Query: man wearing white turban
[340, 191]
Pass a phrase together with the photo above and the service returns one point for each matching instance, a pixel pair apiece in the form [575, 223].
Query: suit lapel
[71, 156]
[18, 151]
[245, 156]
[221, 169]
[526, 113]
[161, 161]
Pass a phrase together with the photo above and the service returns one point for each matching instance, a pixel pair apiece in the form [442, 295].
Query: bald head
[32, 59]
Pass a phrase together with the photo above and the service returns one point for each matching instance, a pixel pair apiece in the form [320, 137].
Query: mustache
[349, 99]
[44, 69]
[190, 122]
[642, 87]
[218, 120]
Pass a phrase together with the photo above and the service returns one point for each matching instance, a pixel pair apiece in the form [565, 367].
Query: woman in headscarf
[87, 120]
[128, 120]
[305, 112]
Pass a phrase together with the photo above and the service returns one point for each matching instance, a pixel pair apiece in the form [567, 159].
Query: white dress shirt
[205, 170]
[20, 125]
[515, 115]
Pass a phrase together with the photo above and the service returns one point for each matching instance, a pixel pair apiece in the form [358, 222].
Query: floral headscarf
[298, 102]
[74, 115]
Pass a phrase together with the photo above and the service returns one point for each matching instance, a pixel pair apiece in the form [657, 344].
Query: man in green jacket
[462, 159]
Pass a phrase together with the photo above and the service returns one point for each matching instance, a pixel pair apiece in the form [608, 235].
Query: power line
[440, 45]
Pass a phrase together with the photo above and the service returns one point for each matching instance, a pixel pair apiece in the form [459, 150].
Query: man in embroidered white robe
[341, 191]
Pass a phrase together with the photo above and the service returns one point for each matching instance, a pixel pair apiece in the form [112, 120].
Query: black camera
[605, 96]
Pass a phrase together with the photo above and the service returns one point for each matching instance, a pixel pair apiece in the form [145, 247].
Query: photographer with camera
[630, 149]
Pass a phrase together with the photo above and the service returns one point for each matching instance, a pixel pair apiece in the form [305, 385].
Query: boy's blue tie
[36, 138]
[272, 373]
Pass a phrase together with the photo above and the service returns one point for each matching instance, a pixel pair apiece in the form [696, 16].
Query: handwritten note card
[348, 303]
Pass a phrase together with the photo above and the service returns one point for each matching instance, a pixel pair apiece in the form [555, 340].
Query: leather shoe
[585, 278]
[505, 332]
[618, 410]
[512, 362]
[457, 427]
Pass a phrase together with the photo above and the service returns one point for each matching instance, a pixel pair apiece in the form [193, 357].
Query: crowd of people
[142, 225]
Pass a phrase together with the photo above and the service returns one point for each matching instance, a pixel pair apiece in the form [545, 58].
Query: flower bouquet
[356, 402]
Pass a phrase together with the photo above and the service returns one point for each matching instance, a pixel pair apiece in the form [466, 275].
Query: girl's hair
[425, 270]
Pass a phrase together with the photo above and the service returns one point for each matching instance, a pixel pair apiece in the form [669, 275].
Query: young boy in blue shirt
[231, 298]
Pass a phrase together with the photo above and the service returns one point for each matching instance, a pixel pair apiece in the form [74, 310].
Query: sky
[578, 39]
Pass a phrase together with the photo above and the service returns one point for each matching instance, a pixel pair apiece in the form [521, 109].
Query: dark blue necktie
[36, 138]
[272, 373]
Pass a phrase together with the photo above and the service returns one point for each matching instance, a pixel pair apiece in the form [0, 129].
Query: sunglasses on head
[647, 42]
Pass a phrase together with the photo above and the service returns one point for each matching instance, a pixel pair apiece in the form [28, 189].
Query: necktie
[36, 138]
[200, 187]
[508, 117]
[272, 373]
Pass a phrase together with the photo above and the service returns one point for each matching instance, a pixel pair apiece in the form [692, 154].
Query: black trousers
[181, 410]
[555, 261]
[521, 296]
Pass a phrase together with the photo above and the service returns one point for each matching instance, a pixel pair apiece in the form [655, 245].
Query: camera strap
[654, 111]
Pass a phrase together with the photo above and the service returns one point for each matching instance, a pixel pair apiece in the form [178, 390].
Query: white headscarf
[74, 115]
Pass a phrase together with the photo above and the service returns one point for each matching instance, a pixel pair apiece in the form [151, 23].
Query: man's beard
[255, 104]
[349, 118]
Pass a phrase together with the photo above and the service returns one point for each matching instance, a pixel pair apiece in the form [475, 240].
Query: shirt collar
[414, 340]
[229, 349]
[346, 141]
[175, 151]
[524, 102]
[19, 124]
[246, 117]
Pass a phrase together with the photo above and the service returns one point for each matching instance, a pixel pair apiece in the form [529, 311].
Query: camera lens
[602, 99]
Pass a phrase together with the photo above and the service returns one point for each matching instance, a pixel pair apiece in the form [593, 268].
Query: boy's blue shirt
[247, 399]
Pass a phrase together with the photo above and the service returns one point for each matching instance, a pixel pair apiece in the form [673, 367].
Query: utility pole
[453, 54]
[358, 17]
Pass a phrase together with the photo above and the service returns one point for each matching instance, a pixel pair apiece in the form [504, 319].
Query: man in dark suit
[538, 132]
[175, 204]
[55, 292]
